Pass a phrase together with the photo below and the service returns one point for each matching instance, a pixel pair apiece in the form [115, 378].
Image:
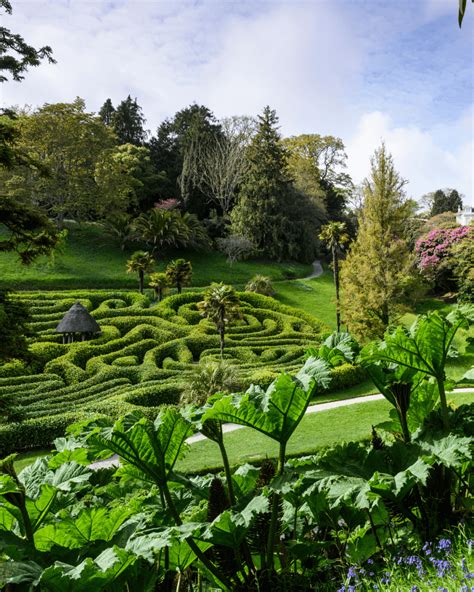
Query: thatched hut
[77, 324]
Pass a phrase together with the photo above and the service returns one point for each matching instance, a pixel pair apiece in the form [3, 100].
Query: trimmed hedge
[143, 358]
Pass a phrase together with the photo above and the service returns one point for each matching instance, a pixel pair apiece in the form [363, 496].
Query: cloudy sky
[363, 70]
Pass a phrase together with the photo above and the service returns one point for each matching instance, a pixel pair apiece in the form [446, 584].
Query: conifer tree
[376, 276]
[106, 112]
[265, 192]
[128, 122]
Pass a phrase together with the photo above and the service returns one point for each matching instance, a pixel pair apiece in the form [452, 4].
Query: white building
[465, 216]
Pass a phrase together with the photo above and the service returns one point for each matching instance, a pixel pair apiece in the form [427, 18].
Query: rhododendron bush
[435, 252]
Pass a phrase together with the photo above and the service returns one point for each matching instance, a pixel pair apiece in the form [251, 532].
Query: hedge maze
[143, 358]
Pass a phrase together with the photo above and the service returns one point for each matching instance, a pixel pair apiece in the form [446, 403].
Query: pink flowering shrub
[167, 204]
[433, 248]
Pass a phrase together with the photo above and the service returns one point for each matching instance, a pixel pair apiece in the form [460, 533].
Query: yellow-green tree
[377, 275]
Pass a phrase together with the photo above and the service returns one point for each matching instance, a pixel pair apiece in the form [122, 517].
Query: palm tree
[159, 282]
[179, 273]
[161, 228]
[335, 237]
[140, 262]
[221, 305]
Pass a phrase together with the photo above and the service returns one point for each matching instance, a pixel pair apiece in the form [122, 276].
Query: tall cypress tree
[377, 273]
[128, 122]
[107, 112]
[265, 191]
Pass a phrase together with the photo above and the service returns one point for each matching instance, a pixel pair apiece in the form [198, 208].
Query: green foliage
[265, 190]
[140, 262]
[260, 284]
[159, 282]
[14, 319]
[377, 275]
[179, 273]
[221, 305]
[127, 121]
[16, 55]
[144, 358]
[447, 200]
[211, 377]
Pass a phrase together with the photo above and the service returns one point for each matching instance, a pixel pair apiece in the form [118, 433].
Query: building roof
[78, 320]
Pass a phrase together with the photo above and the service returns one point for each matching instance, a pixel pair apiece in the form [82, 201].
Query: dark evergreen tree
[446, 200]
[107, 112]
[128, 122]
[266, 191]
[174, 151]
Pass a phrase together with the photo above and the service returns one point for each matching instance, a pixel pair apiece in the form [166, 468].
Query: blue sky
[363, 70]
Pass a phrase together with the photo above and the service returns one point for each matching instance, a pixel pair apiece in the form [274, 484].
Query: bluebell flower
[351, 589]
[464, 565]
[370, 561]
[351, 573]
[427, 548]
[414, 589]
[375, 587]
[444, 545]
[342, 589]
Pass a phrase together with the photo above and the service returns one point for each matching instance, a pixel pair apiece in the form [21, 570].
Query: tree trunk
[335, 268]
[141, 277]
[178, 287]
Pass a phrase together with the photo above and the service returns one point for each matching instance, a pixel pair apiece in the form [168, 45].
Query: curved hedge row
[143, 358]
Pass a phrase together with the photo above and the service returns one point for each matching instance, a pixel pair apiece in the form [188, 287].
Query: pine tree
[107, 112]
[128, 122]
[265, 192]
[376, 275]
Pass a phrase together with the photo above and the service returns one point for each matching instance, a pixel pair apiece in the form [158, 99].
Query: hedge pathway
[230, 427]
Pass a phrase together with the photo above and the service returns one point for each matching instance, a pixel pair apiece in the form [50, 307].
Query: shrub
[260, 284]
[346, 376]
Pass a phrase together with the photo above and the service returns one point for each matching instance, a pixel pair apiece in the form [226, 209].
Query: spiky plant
[179, 273]
[159, 282]
[221, 305]
[140, 262]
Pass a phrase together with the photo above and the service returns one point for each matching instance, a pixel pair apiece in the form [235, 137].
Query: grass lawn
[316, 430]
[92, 259]
[316, 296]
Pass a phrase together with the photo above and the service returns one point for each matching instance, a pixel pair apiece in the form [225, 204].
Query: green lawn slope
[92, 259]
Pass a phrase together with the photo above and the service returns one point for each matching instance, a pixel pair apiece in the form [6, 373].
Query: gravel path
[230, 427]
[317, 270]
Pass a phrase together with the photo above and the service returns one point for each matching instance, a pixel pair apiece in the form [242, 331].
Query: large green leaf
[151, 448]
[277, 411]
[92, 524]
[90, 575]
[425, 347]
[230, 527]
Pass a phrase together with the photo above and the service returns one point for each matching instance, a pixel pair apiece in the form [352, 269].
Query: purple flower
[444, 545]
[351, 573]
[370, 561]
[342, 589]
[414, 589]
[351, 589]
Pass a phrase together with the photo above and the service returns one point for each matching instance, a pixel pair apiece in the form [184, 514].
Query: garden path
[230, 427]
[317, 270]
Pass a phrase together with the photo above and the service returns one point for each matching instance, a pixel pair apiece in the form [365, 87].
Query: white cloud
[417, 154]
[329, 67]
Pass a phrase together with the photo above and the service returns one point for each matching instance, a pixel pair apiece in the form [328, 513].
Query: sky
[367, 71]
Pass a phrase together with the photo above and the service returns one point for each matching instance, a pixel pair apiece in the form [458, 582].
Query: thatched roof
[78, 320]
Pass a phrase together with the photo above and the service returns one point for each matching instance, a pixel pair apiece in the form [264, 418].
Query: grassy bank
[92, 259]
